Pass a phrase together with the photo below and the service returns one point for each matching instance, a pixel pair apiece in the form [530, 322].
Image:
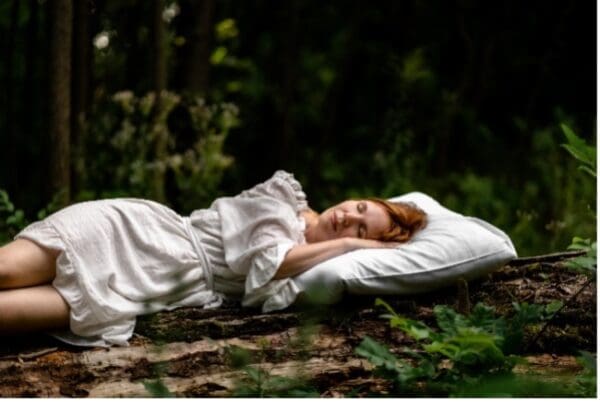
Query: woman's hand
[356, 243]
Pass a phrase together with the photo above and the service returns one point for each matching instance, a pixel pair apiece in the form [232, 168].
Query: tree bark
[192, 350]
[61, 19]
[290, 60]
[160, 84]
[11, 151]
[82, 55]
[197, 61]
[32, 118]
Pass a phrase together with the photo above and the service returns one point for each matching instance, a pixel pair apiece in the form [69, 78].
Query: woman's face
[353, 218]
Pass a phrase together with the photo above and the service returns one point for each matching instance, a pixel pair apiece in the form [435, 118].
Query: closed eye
[362, 231]
[361, 206]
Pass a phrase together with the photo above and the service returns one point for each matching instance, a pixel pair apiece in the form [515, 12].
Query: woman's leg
[32, 309]
[25, 263]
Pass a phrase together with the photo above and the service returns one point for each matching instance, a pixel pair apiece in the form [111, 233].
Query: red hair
[406, 218]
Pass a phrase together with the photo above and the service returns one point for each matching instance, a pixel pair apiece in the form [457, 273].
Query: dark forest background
[183, 101]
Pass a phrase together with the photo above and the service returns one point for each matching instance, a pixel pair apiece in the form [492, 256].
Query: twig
[463, 303]
[585, 285]
[28, 356]
[517, 262]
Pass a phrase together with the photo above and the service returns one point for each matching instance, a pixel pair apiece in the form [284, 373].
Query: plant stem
[589, 280]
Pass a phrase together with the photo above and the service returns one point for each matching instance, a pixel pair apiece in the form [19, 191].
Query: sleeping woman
[88, 270]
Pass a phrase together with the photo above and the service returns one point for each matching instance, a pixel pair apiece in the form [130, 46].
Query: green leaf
[255, 374]
[238, 357]
[5, 204]
[415, 329]
[449, 320]
[586, 264]
[218, 55]
[378, 354]
[588, 170]
[483, 316]
[579, 145]
[580, 150]
[420, 331]
[17, 219]
[445, 348]
[553, 307]
[157, 389]
[579, 154]
[587, 360]
[582, 262]
[381, 302]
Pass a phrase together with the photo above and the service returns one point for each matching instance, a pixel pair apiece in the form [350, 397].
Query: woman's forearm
[305, 256]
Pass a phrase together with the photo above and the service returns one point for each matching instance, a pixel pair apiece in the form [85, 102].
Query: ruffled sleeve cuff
[295, 187]
[265, 265]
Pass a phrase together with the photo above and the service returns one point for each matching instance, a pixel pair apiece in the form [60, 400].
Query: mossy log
[192, 350]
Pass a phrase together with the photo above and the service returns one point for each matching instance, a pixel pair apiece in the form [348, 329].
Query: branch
[517, 262]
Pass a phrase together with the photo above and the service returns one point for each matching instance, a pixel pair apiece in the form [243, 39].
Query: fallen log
[193, 351]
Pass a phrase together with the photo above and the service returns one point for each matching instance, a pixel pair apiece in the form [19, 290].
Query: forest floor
[196, 352]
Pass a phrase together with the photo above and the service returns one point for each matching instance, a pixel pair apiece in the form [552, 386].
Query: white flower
[102, 40]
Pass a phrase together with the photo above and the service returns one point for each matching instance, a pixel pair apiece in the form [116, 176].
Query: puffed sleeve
[258, 228]
[282, 185]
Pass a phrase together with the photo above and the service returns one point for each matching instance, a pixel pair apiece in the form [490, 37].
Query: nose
[351, 218]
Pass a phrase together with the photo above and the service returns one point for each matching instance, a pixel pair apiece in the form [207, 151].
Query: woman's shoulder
[283, 185]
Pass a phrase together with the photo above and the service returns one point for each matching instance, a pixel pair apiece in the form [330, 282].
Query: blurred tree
[160, 77]
[197, 28]
[11, 149]
[462, 100]
[61, 18]
[80, 97]
[290, 56]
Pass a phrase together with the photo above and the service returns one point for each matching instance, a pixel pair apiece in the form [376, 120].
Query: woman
[94, 266]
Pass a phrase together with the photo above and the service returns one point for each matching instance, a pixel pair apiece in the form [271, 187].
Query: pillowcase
[450, 247]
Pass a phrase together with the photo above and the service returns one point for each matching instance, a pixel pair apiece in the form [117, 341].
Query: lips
[337, 218]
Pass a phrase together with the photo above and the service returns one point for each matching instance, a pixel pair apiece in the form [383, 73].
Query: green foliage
[586, 264]
[157, 388]
[580, 150]
[586, 380]
[507, 385]
[124, 135]
[465, 351]
[155, 385]
[12, 220]
[540, 207]
[260, 383]
[478, 131]
[585, 153]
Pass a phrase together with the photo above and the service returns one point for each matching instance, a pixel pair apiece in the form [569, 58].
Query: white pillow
[450, 247]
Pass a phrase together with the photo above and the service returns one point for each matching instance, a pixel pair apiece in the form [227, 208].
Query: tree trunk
[159, 128]
[82, 53]
[61, 14]
[336, 95]
[193, 350]
[290, 60]
[11, 151]
[32, 117]
[197, 60]
[158, 44]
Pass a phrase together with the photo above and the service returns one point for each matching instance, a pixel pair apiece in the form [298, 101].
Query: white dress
[121, 258]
